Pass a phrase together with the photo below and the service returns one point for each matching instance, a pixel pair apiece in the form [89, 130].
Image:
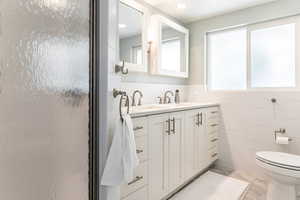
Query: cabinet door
[158, 138]
[202, 154]
[175, 151]
[189, 139]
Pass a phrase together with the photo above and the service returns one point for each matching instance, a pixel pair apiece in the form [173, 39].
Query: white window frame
[252, 27]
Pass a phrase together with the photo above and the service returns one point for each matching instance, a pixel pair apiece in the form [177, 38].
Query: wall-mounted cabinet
[151, 42]
[170, 48]
[133, 36]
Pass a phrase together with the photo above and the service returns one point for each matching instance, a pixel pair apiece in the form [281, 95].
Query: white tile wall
[152, 91]
[248, 123]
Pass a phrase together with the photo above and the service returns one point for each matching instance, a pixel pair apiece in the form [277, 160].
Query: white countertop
[152, 109]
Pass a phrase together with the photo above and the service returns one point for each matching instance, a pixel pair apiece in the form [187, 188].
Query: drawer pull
[138, 178]
[214, 125]
[138, 128]
[168, 126]
[139, 151]
[214, 155]
[214, 140]
[174, 125]
[214, 112]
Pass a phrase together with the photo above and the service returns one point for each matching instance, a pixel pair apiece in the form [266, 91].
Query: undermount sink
[149, 107]
[160, 106]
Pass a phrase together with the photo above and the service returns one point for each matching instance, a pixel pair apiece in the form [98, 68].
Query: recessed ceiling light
[122, 25]
[181, 6]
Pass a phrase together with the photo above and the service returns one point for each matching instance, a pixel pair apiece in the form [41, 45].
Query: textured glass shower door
[44, 99]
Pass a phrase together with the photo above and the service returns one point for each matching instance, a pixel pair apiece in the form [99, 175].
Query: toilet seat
[279, 159]
[279, 163]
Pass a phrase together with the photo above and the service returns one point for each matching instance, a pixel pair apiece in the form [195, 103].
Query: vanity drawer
[142, 148]
[140, 126]
[212, 127]
[213, 142]
[140, 180]
[215, 120]
[141, 194]
[212, 113]
[214, 154]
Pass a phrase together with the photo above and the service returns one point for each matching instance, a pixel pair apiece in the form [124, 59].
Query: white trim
[157, 21]
[132, 67]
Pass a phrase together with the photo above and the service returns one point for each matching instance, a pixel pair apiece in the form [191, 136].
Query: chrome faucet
[134, 100]
[167, 98]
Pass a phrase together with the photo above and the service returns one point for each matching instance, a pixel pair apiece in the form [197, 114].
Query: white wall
[249, 118]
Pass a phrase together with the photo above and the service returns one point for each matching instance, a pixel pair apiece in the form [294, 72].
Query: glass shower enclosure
[44, 99]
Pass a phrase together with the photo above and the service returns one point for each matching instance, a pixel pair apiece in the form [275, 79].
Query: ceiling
[199, 9]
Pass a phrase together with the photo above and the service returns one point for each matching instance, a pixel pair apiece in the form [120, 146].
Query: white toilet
[284, 171]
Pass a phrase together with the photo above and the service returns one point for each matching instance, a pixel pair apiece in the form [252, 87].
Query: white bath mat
[212, 186]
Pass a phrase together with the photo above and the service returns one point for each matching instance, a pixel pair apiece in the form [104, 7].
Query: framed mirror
[133, 18]
[172, 48]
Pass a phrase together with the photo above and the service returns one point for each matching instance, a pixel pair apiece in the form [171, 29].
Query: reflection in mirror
[172, 49]
[130, 35]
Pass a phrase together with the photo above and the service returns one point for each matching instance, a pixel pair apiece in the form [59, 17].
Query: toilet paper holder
[281, 131]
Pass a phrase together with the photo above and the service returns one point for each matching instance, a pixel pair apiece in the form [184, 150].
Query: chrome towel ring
[126, 104]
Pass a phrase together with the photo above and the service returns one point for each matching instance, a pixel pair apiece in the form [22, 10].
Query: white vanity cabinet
[174, 147]
[165, 153]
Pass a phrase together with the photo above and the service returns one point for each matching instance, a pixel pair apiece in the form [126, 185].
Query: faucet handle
[160, 99]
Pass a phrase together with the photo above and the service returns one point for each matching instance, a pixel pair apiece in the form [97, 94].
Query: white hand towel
[122, 158]
[113, 174]
[130, 159]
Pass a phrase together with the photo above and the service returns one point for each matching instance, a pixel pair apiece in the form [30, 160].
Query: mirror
[132, 36]
[172, 48]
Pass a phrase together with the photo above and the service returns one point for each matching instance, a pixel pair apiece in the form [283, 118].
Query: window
[273, 57]
[171, 49]
[227, 60]
[256, 56]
